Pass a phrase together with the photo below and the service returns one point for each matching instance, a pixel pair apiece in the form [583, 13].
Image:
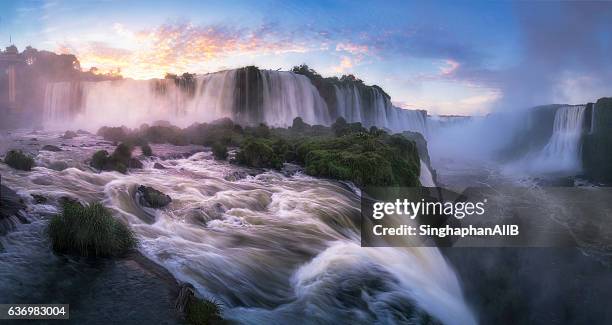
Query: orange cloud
[180, 47]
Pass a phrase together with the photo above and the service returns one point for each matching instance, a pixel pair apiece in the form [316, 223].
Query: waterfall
[247, 95]
[562, 152]
[371, 107]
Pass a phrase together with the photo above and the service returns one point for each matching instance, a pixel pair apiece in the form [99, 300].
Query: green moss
[18, 160]
[203, 312]
[219, 151]
[89, 230]
[255, 152]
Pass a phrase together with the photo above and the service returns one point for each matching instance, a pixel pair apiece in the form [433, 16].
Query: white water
[378, 111]
[562, 153]
[284, 96]
[271, 248]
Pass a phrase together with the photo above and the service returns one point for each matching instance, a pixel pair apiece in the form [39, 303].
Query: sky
[449, 57]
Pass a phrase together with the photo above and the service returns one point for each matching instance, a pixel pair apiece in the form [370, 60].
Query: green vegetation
[258, 153]
[344, 151]
[119, 161]
[18, 160]
[219, 151]
[89, 230]
[146, 150]
[203, 312]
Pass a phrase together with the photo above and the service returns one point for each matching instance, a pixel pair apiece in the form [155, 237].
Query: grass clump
[201, 312]
[146, 150]
[89, 230]
[119, 160]
[219, 151]
[18, 160]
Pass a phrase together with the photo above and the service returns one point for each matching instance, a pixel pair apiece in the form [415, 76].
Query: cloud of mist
[566, 55]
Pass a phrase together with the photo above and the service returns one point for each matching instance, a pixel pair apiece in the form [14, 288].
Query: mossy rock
[89, 230]
[146, 150]
[18, 160]
[152, 198]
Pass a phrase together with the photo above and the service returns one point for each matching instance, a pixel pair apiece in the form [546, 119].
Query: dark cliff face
[597, 143]
[535, 133]
[248, 96]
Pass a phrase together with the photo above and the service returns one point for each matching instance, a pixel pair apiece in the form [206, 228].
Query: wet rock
[79, 131]
[236, 175]
[135, 163]
[290, 169]
[50, 147]
[39, 199]
[152, 198]
[159, 166]
[11, 210]
[58, 165]
[33, 139]
[69, 135]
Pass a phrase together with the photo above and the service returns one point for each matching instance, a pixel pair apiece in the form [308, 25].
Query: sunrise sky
[447, 57]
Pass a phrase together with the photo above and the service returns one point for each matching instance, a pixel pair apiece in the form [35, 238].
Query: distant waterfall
[562, 152]
[371, 107]
[247, 96]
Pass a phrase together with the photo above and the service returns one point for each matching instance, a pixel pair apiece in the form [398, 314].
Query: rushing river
[272, 247]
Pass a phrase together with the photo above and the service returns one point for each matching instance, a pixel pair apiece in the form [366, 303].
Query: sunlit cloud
[182, 47]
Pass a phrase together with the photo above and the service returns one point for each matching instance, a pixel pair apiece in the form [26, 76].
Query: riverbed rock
[69, 135]
[39, 199]
[152, 198]
[50, 147]
[159, 166]
[12, 210]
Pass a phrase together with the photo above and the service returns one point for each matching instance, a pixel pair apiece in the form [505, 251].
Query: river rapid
[271, 247]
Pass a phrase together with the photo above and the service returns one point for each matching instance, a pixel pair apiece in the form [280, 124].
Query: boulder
[152, 198]
[11, 210]
[159, 166]
[50, 147]
[69, 135]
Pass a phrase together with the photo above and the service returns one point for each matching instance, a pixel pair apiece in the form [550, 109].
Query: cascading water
[273, 249]
[561, 155]
[247, 95]
[372, 107]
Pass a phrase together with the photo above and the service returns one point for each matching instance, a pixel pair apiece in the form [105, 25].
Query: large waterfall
[562, 152]
[246, 95]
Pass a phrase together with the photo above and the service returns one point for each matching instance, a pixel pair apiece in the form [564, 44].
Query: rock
[18, 160]
[50, 147]
[236, 175]
[79, 131]
[152, 198]
[186, 292]
[33, 139]
[290, 169]
[39, 199]
[159, 166]
[58, 165]
[135, 163]
[11, 210]
[69, 135]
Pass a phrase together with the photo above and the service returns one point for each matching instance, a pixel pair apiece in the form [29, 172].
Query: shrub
[100, 159]
[219, 151]
[118, 161]
[89, 230]
[201, 311]
[18, 160]
[258, 153]
[146, 150]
